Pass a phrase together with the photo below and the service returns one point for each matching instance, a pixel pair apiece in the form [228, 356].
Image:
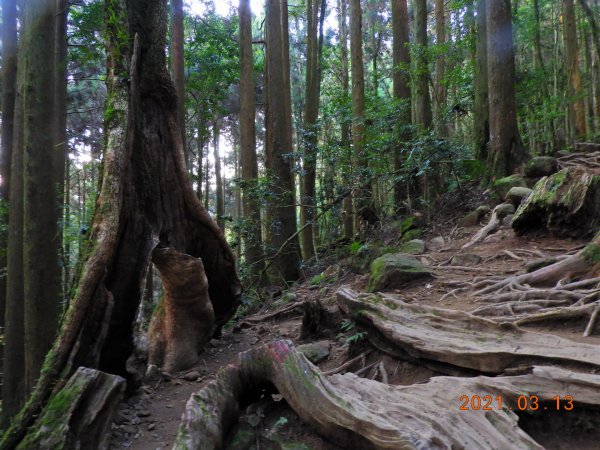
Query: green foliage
[354, 247]
[356, 337]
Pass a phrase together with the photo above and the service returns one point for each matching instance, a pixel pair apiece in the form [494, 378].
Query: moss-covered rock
[541, 166]
[503, 185]
[316, 351]
[566, 204]
[517, 194]
[394, 270]
[414, 247]
[412, 234]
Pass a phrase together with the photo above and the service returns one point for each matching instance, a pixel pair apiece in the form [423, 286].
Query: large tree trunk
[251, 233]
[575, 90]
[219, 192]
[285, 265]
[359, 413]
[178, 67]
[13, 387]
[8, 80]
[41, 212]
[362, 194]
[347, 215]
[481, 108]
[401, 62]
[422, 97]
[146, 205]
[506, 149]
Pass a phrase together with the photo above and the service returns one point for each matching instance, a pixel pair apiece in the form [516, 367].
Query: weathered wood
[359, 413]
[460, 338]
[79, 415]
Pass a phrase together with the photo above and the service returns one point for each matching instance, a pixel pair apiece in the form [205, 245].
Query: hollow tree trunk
[146, 205]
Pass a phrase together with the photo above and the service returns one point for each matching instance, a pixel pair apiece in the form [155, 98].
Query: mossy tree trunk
[146, 207]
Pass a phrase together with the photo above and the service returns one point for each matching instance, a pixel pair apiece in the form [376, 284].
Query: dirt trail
[150, 419]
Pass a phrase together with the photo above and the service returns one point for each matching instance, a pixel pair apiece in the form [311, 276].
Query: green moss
[412, 234]
[591, 253]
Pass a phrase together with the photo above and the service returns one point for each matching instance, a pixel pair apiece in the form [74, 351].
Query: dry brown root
[253, 320]
[359, 413]
[592, 323]
[591, 160]
[556, 315]
[513, 309]
[498, 214]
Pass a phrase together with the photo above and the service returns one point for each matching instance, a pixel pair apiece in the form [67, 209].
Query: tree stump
[566, 204]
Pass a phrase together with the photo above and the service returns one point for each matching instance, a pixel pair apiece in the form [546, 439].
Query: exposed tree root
[514, 308]
[360, 413]
[455, 337]
[556, 315]
[498, 214]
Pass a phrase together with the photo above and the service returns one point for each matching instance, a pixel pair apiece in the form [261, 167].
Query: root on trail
[460, 339]
[498, 214]
[357, 412]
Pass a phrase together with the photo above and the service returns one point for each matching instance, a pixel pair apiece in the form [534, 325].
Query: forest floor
[149, 420]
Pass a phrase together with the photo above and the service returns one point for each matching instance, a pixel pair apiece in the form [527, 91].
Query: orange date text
[523, 403]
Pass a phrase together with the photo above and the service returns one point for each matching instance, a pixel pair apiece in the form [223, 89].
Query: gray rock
[414, 247]
[504, 209]
[474, 217]
[436, 243]
[316, 351]
[503, 185]
[517, 194]
[541, 166]
[507, 221]
[394, 270]
[152, 374]
[192, 376]
[465, 259]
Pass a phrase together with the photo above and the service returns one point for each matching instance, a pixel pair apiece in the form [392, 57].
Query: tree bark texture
[481, 109]
[401, 79]
[41, 212]
[8, 86]
[347, 215]
[440, 69]
[278, 146]
[575, 89]
[361, 195]
[251, 233]
[178, 67]
[311, 131]
[219, 192]
[421, 83]
[146, 205]
[13, 386]
[507, 153]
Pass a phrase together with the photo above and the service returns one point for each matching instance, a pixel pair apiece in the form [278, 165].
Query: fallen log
[79, 415]
[359, 413]
[459, 338]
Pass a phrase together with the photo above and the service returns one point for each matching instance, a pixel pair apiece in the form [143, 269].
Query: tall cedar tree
[282, 237]
[218, 176]
[481, 107]
[421, 83]
[401, 61]
[362, 194]
[440, 69]
[252, 238]
[506, 153]
[347, 216]
[9, 75]
[311, 115]
[575, 90]
[13, 386]
[41, 237]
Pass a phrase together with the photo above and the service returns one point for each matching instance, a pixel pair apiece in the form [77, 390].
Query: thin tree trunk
[218, 178]
[440, 68]
[422, 97]
[481, 109]
[347, 215]
[506, 150]
[178, 66]
[575, 90]
[401, 61]
[362, 194]
[278, 143]
[252, 238]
